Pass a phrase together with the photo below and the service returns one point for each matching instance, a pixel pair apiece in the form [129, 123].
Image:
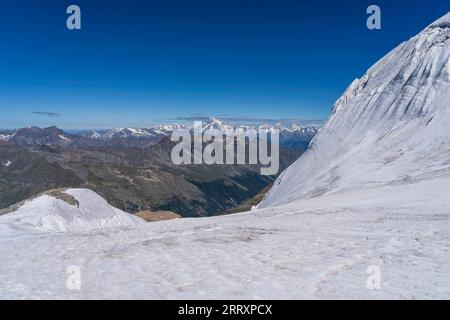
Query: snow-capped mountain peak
[37, 136]
[389, 127]
[121, 133]
[213, 123]
[7, 136]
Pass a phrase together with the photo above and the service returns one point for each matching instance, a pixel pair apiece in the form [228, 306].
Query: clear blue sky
[138, 63]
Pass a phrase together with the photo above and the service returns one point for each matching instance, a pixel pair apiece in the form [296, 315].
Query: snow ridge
[443, 22]
[390, 126]
[68, 210]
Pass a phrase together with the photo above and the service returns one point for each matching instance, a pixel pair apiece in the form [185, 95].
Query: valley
[130, 168]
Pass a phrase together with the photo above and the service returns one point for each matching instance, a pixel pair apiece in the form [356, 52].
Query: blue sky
[139, 63]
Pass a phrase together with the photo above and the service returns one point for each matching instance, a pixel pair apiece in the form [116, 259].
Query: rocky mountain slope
[133, 177]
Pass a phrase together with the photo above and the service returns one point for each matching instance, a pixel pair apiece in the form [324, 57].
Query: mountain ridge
[388, 127]
[295, 136]
[64, 210]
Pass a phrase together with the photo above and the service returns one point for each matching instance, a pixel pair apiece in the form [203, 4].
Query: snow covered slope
[389, 127]
[64, 210]
[315, 248]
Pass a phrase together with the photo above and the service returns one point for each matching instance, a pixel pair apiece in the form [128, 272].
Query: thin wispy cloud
[46, 114]
[237, 119]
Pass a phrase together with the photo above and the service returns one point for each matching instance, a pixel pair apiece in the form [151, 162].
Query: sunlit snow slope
[83, 210]
[392, 126]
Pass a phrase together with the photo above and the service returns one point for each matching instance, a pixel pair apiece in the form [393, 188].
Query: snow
[373, 190]
[139, 132]
[62, 137]
[213, 123]
[389, 127]
[46, 213]
[122, 133]
[316, 248]
[6, 137]
[443, 22]
[95, 135]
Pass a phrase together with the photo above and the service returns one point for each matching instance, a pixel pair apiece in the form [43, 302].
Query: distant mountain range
[211, 123]
[294, 136]
[132, 168]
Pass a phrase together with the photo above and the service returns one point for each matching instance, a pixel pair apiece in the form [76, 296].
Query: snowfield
[313, 249]
[47, 213]
[371, 193]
